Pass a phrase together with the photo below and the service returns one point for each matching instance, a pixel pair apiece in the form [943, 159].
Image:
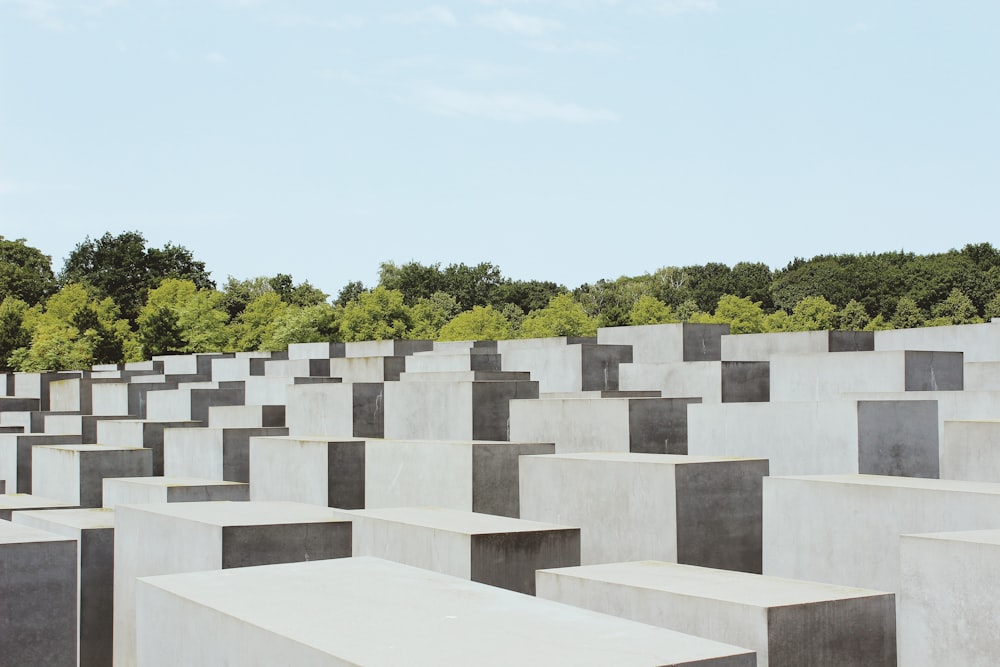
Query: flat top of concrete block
[660, 459]
[921, 483]
[457, 443]
[91, 448]
[12, 533]
[972, 421]
[85, 518]
[457, 521]
[305, 439]
[990, 537]
[26, 501]
[435, 619]
[253, 513]
[753, 590]
[652, 393]
[167, 482]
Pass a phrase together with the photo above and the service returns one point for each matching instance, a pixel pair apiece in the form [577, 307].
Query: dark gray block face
[403, 348]
[483, 361]
[703, 342]
[246, 546]
[368, 409]
[24, 445]
[898, 438]
[392, 367]
[853, 631]
[851, 341]
[934, 371]
[38, 611]
[13, 404]
[346, 475]
[96, 465]
[491, 406]
[495, 476]
[228, 393]
[236, 451]
[272, 416]
[600, 365]
[509, 560]
[719, 514]
[659, 425]
[3, 486]
[746, 381]
[97, 557]
[319, 368]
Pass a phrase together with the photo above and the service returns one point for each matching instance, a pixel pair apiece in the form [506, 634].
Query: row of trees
[116, 299]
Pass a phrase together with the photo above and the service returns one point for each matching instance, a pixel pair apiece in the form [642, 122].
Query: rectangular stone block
[667, 343]
[496, 550]
[978, 342]
[761, 347]
[318, 471]
[368, 369]
[14, 502]
[246, 416]
[575, 367]
[189, 364]
[75, 473]
[94, 533]
[386, 348]
[681, 509]
[337, 410]
[948, 599]
[187, 537]
[982, 375]
[192, 403]
[642, 425]
[145, 490]
[844, 529]
[890, 437]
[15, 456]
[435, 362]
[788, 623]
[470, 476]
[140, 433]
[315, 350]
[211, 453]
[970, 451]
[37, 598]
[293, 368]
[283, 614]
[84, 425]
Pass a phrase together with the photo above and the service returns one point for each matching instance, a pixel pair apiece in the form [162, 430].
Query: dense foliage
[118, 300]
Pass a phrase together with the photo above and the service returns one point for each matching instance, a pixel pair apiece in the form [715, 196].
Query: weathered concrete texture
[291, 368]
[671, 379]
[435, 362]
[140, 433]
[315, 350]
[94, 532]
[144, 490]
[189, 364]
[979, 342]
[76, 473]
[575, 367]
[318, 471]
[844, 529]
[970, 451]
[15, 456]
[982, 375]
[495, 550]
[12, 404]
[681, 509]
[192, 403]
[211, 453]
[746, 381]
[648, 425]
[337, 410]
[386, 348]
[37, 598]
[818, 377]
[246, 416]
[36, 385]
[91, 396]
[85, 425]
[788, 623]
[368, 369]
[948, 605]
[283, 615]
[825, 437]
[187, 537]
[3, 486]
[471, 476]
[762, 347]
[14, 502]
[665, 343]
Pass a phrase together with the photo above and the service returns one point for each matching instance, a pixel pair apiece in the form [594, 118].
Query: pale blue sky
[564, 140]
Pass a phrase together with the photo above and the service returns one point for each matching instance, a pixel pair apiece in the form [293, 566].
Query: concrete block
[891, 437]
[844, 529]
[315, 350]
[788, 623]
[293, 368]
[681, 509]
[761, 347]
[452, 410]
[15, 456]
[18, 404]
[315, 470]
[189, 364]
[970, 451]
[36, 385]
[140, 433]
[667, 343]
[187, 537]
[368, 369]
[38, 589]
[473, 476]
[982, 375]
[192, 403]
[75, 473]
[978, 342]
[144, 490]
[386, 348]
[283, 614]
[84, 425]
[14, 502]
[246, 416]
[647, 425]
[211, 453]
[496, 550]
[94, 533]
[576, 367]
[341, 410]
[948, 603]
[3, 486]
[435, 362]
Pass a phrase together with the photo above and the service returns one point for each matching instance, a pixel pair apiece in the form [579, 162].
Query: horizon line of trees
[116, 300]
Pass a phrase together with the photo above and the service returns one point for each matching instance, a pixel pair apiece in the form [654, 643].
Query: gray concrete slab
[666, 343]
[144, 490]
[211, 453]
[140, 433]
[315, 470]
[15, 456]
[970, 450]
[13, 502]
[75, 473]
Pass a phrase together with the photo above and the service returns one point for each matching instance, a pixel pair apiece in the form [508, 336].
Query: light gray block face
[140, 433]
[978, 342]
[695, 510]
[447, 622]
[187, 537]
[676, 379]
[15, 456]
[93, 530]
[562, 368]
[948, 602]
[75, 473]
[38, 616]
[211, 453]
[788, 623]
[329, 409]
[143, 490]
[844, 529]
[14, 502]
[246, 416]
[317, 471]
[970, 451]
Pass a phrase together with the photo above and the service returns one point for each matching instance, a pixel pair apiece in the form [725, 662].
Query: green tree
[350, 292]
[432, 313]
[256, 322]
[12, 332]
[777, 322]
[199, 318]
[908, 314]
[993, 307]
[528, 295]
[878, 323]
[956, 309]
[741, 314]
[650, 310]
[377, 315]
[562, 317]
[753, 281]
[311, 324]
[480, 323]
[853, 317]
[25, 273]
[813, 313]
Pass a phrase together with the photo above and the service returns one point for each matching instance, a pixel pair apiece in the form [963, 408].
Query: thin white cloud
[434, 15]
[677, 7]
[507, 21]
[512, 107]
